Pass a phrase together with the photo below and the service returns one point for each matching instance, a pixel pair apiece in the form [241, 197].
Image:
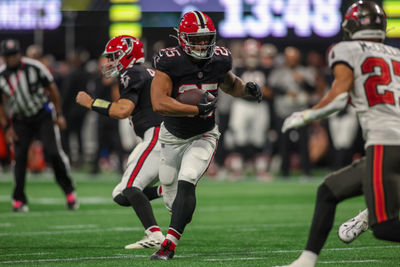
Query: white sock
[307, 258]
[172, 238]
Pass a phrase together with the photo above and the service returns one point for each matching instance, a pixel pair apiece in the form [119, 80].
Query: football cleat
[354, 227]
[72, 203]
[166, 252]
[150, 240]
[19, 206]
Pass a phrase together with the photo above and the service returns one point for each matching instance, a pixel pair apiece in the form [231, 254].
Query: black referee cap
[9, 47]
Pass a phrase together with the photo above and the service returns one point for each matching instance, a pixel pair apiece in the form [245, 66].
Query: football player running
[369, 72]
[189, 134]
[125, 53]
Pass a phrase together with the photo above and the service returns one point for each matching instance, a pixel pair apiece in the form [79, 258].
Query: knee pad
[131, 192]
[324, 193]
[190, 175]
[121, 200]
[193, 170]
[167, 174]
[117, 190]
[169, 194]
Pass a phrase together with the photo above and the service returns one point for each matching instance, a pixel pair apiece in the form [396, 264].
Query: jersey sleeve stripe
[379, 194]
[342, 62]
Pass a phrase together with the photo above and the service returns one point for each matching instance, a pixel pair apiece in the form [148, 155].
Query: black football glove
[206, 107]
[254, 90]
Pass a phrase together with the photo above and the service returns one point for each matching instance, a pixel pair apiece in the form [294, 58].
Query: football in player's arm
[164, 104]
[188, 133]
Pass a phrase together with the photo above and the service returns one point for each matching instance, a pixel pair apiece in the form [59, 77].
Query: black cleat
[19, 206]
[72, 205]
[166, 252]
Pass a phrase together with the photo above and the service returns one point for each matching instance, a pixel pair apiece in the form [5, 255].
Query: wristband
[101, 106]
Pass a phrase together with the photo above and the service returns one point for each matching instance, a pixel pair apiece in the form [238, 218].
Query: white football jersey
[376, 92]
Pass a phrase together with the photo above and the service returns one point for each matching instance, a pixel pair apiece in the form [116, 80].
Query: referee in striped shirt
[30, 107]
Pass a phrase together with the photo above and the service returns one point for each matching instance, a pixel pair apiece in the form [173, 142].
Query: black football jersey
[187, 74]
[134, 84]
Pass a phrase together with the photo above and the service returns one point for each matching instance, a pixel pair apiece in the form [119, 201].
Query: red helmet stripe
[201, 20]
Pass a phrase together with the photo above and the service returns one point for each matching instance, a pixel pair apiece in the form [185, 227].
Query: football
[193, 97]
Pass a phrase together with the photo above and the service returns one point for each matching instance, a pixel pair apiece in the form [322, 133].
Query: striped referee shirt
[25, 86]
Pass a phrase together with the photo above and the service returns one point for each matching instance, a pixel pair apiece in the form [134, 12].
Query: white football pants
[184, 160]
[143, 162]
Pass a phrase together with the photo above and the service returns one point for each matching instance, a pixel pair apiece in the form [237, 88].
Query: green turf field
[245, 223]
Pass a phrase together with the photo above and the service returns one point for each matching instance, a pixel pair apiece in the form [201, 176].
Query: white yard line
[122, 256]
[116, 229]
[76, 226]
[24, 254]
[265, 258]
[239, 259]
[61, 200]
[349, 261]
[75, 259]
[76, 229]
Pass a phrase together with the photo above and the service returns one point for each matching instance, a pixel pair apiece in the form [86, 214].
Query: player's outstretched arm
[119, 109]
[235, 86]
[163, 103]
[335, 100]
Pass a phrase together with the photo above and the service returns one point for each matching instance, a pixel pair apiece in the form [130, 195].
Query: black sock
[151, 192]
[141, 205]
[122, 200]
[388, 230]
[183, 206]
[324, 215]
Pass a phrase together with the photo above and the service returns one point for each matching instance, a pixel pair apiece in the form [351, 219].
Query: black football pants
[40, 125]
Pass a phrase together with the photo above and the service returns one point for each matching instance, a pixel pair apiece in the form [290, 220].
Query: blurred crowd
[251, 141]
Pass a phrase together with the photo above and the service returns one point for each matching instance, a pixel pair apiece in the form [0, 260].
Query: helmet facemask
[122, 52]
[197, 35]
[113, 66]
[199, 45]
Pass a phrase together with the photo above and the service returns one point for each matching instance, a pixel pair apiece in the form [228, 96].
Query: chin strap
[175, 36]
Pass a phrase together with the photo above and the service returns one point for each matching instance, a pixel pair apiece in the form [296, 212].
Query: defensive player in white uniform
[125, 53]
[188, 133]
[367, 71]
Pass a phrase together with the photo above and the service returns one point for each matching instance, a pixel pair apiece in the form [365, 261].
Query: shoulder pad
[134, 76]
[223, 57]
[343, 52]
[167, 57]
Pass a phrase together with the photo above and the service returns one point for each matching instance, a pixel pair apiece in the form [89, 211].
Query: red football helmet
[196, 35]
[364, 20]
[122, 51]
